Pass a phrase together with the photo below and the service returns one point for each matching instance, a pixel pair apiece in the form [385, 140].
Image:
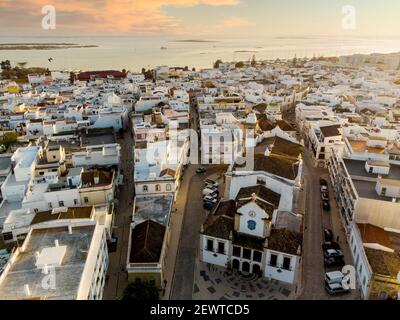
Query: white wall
[67, 196]
[214, 257]
[285, 275]
[383, 214]
[259, 219]
[360, 261]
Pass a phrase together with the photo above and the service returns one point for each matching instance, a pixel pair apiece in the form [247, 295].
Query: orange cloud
[109, 16]
[233, 23]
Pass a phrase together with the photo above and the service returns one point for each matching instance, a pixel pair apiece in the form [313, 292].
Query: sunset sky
[200, 18]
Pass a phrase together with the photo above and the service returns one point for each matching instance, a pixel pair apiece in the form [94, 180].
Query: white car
[210, 199]
[208, 191]
[334, 277]
[335, 288]
[324, 189]
[211, 186]
[211, 182]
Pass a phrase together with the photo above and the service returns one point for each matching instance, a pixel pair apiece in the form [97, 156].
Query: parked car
[325, 205]
[211, 182]
[335, 288]
[334, 262]
[334, 277]
[324, 188]
[328, 235]
[333, 253]
[325, 196]
[322, 182]
[208, 205]
[207, 191]
[330, 245]
[211, 186]
[210, 199]
[201, 170]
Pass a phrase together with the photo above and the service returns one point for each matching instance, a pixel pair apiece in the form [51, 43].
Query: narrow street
[117, 277]
[194, 216]
[316, 220]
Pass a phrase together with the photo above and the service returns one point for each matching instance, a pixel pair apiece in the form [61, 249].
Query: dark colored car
[325, 196]
[208, 205]
[322, 182]
[334, 262]
[328, 235]
[333, 253]
[201, 170]
[326, 206]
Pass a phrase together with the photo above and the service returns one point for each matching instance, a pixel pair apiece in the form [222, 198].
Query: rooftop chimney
[96, 178]
[56, 243]
[69, 229]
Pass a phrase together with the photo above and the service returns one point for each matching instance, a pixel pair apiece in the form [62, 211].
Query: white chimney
[56, 243]
[27, 290]
[96, 178]
[69, 229]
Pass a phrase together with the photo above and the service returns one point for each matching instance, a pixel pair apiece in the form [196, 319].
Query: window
[54, 157]
[61, 203]
[75, 201]
[145, 188]
[50, 205]
[158, 187]
[210, 245]
[236, 251]
[383, 192]
[168, 187]
[86, 199]
[221, 247]
[36, 210]
[246, 253]
[7, 236]
[257, 255]
[286, 263]
[273, 260]
[152, 282]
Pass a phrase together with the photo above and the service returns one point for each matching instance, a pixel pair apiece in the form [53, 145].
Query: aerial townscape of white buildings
[61, 174]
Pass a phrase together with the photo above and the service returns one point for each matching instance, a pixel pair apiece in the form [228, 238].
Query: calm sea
[133, 53]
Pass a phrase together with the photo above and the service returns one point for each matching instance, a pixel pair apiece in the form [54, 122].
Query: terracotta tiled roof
[220, 224]
[261, 192]
[147, 242]
[383, 262]
[283, 240]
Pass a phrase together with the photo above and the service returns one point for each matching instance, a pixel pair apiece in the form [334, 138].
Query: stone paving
[217, 283]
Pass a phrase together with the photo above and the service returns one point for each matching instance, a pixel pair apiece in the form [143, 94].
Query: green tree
[9, 138]
[5, 65]
[217, 63]
[239, 64]
[141, 291]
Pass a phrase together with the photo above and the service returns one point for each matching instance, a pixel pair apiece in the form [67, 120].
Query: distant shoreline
[42, 46]
[195, 41]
